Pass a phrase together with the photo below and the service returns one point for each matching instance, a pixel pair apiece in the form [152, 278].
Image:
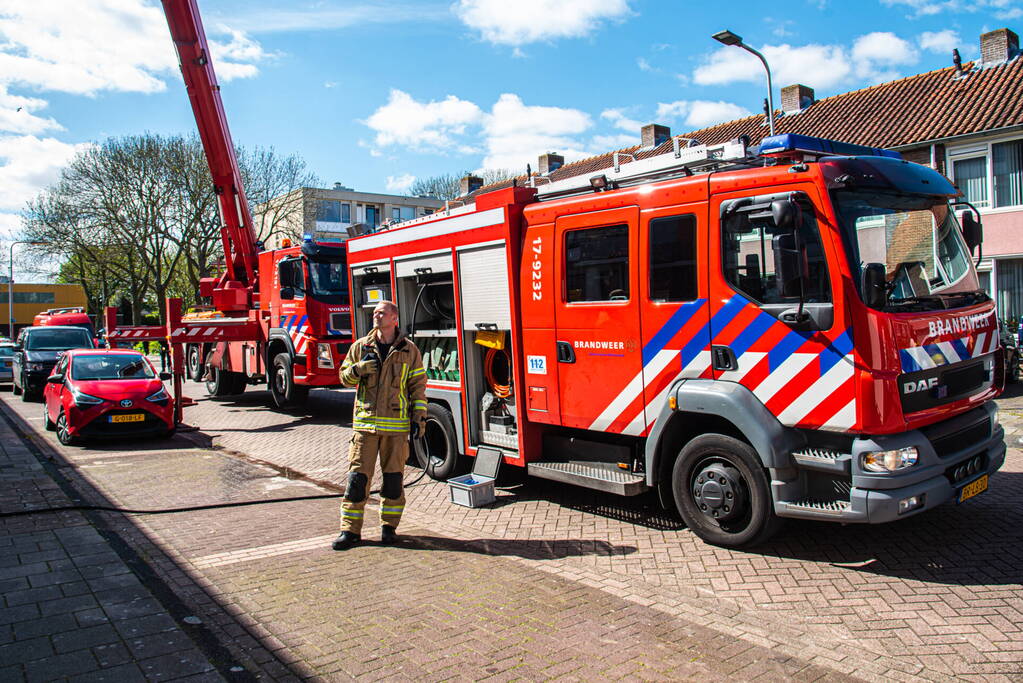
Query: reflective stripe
[418, 372]
[402, 399]
[395, 509]
[380, 428]
[352, 513]
[420, 405]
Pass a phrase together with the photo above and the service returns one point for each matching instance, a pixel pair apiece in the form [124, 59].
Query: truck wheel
[285, 392]
[722, 492]
[224, 383]
[437, 452]
[193, 364]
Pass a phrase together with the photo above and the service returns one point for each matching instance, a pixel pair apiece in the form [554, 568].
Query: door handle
[565, 352]
[724, 358]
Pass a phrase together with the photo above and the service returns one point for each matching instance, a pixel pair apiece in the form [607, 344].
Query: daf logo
[126, 403]
[919, 385]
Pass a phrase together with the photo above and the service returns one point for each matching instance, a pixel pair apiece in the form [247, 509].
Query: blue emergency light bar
[792, 142]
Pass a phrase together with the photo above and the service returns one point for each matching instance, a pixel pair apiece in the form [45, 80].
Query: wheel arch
[710, 406]
[279, 341]
[452, 401]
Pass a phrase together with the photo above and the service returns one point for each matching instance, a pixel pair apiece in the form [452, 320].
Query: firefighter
[387, 370]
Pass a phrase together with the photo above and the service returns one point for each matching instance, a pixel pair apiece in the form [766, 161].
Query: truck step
[591, 475]
[833, 507]
[823, 459]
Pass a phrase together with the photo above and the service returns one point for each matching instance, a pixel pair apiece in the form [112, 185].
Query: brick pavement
[71, 606]
[934, 596]
[270, 590]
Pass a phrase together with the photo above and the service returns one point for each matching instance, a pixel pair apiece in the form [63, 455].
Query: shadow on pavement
[323, 408]
[528, 549]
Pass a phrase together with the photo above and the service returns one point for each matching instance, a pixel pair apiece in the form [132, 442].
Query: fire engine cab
[794, 330]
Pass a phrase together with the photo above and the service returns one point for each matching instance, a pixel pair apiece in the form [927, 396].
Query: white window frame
[978, 149]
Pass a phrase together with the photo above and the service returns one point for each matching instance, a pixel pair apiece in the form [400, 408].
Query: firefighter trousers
[362, 459]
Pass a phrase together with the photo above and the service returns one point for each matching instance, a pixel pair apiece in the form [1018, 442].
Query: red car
[106, 392]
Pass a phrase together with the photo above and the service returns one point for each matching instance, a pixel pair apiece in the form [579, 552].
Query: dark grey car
[36, 352]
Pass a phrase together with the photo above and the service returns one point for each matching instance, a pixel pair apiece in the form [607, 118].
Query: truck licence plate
[973, 488]
[132, 417]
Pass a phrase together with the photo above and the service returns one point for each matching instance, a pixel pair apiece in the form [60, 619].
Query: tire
[1014, 369]
[26, 395]
[224, 383]
[194, 363]
[51, 426]
[439, 454]
[286, 394]
[722, 492]
[169, 433]
[62, 433]
[15, 389]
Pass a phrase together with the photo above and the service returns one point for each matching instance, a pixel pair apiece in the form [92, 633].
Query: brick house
[966, 121]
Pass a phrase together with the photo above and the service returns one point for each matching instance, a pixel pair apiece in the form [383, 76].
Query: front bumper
[943, 448]
[35, 380]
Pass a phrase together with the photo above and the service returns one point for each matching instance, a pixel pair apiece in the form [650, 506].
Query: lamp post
[728, 38]
[10, 286]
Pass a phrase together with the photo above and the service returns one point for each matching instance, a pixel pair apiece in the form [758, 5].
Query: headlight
[889, 461]
[994, 418]
[82, 400]
[323, 357]
[160, 396]
[36, 366]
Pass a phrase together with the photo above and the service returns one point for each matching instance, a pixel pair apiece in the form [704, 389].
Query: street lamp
[729, 38]
[10, 285]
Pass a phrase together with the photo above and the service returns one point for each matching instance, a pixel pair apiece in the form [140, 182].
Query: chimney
[550, 162]
[796, 98]
[998, 46]
[470, 184]
[654, 135]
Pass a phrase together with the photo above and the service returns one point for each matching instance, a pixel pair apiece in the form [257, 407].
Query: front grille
[341, 323]
[950, 444]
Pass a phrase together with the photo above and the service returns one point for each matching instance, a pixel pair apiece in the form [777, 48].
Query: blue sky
[375, 94]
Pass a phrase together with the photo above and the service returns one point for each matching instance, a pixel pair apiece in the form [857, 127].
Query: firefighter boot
[346, 540]
[388, 536]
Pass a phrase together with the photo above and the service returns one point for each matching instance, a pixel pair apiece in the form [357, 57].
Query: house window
[1009, 286]
[33, 297]
[971, 178]
[328, 211]
[1007, 171]
[396, 214]
[346, 213]
[372, 216]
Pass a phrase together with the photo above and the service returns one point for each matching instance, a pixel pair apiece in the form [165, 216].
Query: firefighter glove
[420, 425]
[365, 368]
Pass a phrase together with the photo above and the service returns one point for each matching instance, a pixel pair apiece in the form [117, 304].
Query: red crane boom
[233, 292]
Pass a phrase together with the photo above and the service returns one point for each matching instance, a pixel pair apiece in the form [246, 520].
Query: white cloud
[939, 41]
[876, 56]
[619, 120]
[429, 125]
[85, 48]
[603, 143]
[28, 164]
[234, 58]
[516, 133]
[820, 66]
[320, 17]
[530, 21]
[644, 65]
[700, 113]
[16, 114]
[1002, 9]
[401, 183]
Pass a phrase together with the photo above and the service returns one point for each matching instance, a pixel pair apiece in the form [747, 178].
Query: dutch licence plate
[132, 417]
[973, 488]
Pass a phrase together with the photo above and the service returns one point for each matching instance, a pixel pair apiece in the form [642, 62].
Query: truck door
[675, 310]
[801, 370]
[597, 319]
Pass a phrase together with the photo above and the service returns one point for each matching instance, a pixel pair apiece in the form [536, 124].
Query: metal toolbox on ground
[477, 488]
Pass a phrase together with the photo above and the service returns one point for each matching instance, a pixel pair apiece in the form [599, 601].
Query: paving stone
[138, 627]
[45, 626]
[85, 638]
[25, 650]
[57, 666]
[67, 605]
[22, 597]
[173, 666]
[125, 673]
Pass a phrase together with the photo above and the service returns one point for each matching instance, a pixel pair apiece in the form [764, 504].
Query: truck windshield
[918, 241]
[328, 279]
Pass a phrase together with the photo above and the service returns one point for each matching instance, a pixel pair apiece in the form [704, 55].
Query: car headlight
[889, 461]
[323, 356]
[83, 399]
[994, 418]
[35, 366]
[160, 397]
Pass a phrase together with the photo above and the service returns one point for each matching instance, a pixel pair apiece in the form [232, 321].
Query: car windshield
[111, 366]
[58, 340]
[328, 278]
[918, 241]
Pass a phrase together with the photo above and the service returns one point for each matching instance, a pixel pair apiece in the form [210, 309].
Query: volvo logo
[126, 403]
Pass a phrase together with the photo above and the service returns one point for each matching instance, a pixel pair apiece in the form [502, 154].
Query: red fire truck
[794, 330]
[69, 315]
[279, 316]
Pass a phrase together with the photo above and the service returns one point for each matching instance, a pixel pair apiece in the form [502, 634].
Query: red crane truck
[791, 331]
[281, 316]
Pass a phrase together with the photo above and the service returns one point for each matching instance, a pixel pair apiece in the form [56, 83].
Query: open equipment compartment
[487, 335]
[426, 307]
[371, 284]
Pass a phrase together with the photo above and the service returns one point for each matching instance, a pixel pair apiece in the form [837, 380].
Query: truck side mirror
[287, 293]
[784, 212]
[790, 263]
[872, 284]
[973, 231]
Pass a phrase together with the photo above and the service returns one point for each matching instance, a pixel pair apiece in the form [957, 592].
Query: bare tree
[270, 183]
[448, 186]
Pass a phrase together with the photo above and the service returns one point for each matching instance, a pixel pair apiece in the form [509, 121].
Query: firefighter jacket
[386, 399]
